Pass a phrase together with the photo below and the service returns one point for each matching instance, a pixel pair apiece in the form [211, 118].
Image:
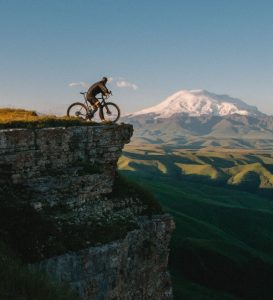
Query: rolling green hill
[222, 247]
[233, 168]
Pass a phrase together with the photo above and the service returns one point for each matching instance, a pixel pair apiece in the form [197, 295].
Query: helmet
[104, 79]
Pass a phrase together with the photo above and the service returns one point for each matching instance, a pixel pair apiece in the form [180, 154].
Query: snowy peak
[197, 103]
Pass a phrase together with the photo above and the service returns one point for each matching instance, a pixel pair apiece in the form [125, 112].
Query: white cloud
[126, 84]
[120, 82]
[82, 83]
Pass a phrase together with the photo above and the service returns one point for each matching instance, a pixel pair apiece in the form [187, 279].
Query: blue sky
[151, 48]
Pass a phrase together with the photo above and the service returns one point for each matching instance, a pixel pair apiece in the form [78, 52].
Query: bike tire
[81, 113]
[114, 112]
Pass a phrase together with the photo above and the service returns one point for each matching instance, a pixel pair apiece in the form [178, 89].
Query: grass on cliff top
[20, 118]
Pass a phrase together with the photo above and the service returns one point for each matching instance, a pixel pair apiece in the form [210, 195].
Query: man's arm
[104, 89]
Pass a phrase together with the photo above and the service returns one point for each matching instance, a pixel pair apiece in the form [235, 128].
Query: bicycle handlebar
[82, 93]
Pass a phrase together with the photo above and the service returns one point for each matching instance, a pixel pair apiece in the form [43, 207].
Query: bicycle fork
[107, 110]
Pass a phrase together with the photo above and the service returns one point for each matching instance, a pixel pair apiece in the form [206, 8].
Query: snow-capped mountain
[197, 118]
[197, 103]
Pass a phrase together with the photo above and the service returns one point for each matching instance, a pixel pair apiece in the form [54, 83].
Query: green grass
[124, 187]
[185, 289]
[18, 281]
[20, 118]
[223, 239]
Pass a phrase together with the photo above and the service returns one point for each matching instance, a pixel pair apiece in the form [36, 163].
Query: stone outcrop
[68, 175]
[133, 268]
[62, 165]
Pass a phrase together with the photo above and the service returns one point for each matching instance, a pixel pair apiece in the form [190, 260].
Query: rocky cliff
[104, 236]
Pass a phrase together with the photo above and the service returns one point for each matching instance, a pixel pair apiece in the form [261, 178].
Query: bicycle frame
[88, 104]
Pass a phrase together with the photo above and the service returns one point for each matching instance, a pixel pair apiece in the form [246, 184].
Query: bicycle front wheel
[78, 110]
[111, 112]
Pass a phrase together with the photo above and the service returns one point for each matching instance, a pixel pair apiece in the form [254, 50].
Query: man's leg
[97, 105]
[101, 113]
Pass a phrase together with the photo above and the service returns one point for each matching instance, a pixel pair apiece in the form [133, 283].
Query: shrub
[35, 235]
[18, 281]
[125, 187]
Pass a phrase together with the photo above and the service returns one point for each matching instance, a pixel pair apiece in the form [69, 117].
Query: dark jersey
[97, 88]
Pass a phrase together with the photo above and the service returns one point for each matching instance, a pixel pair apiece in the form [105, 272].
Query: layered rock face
[132, 268]
[62, 165]
[68, 175]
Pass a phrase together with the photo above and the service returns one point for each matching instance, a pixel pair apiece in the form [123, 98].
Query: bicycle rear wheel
[111, 112]
[78, 110]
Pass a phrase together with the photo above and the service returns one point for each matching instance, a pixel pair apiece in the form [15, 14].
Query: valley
[221, 202]
[233, 168]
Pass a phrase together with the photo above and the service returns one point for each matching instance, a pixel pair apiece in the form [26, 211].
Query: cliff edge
[84, 224]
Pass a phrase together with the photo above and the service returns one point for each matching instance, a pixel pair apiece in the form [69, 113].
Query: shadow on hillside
[250, 184]
[251, 279]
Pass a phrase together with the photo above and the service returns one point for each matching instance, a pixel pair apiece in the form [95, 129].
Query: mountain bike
[86, 112]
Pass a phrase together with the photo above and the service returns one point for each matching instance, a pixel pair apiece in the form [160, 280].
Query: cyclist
[93, 91]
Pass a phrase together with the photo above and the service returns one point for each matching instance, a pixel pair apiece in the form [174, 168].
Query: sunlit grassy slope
[12, 114]
[199, 169]
[257, 173]
[238, 168]
[20, 118]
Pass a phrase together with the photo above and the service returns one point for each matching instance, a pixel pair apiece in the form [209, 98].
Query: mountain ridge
[198, 102]
[204, 124]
